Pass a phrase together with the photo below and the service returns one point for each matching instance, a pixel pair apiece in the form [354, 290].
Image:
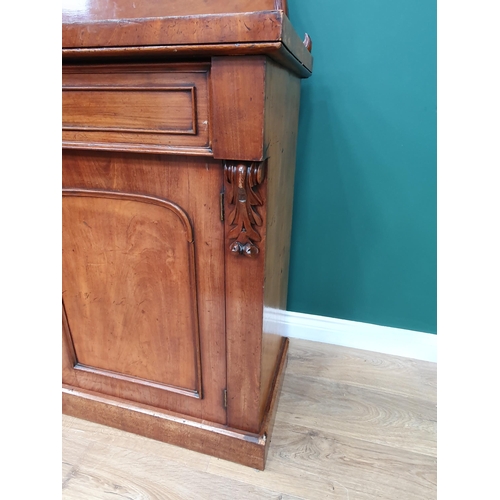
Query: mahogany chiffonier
[179, 136]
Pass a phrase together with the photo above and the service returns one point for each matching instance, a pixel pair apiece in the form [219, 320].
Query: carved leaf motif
[242, 179]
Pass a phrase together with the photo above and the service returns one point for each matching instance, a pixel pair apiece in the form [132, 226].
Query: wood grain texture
[98, 25]
[305, 461]
[360, 404]
[173, 428]
[244, 217]
[265, 26]
[366, 415]
[365, 369]
[193, 366]
[117, 109]
[316, 465]
[173, 179]
[271, 408]
[99, 475]
[97, 10]
[195, 434]
[281, 115]
[248, 125]
[123, 323]
[238, 93]
[244, 279]
[275, 50]
[137, 107]
[295, 45]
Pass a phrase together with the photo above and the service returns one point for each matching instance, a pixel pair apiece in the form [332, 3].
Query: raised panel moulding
[151, 314]
[115, 108]
[365, 336]
[161, 107]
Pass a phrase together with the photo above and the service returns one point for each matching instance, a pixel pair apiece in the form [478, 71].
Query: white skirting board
[384, 339]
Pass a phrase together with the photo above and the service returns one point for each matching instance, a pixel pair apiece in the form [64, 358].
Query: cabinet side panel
[281, 125]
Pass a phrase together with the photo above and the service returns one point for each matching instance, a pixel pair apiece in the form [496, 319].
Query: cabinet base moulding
[201, 436]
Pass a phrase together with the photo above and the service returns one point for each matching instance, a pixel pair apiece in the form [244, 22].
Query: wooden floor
[351, 425]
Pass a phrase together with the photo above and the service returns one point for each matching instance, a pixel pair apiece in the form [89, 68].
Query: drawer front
[158, 108]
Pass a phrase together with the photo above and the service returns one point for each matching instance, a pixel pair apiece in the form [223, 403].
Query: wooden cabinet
[179, 138]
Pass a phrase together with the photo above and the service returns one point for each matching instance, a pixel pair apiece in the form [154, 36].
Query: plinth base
[212, 439]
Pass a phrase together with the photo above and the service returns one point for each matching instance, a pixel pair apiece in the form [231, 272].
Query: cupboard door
[142, 258]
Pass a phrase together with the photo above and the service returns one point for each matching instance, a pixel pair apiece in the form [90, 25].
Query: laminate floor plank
[364, 469]
[394, 374]
[111, 471]
[90, 432]
[288, 473]
[74, 445]
[359, 426]
[321, 465]
[359, 412]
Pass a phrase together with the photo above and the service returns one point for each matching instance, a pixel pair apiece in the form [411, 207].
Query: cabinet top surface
[99, 25]
[99, 10]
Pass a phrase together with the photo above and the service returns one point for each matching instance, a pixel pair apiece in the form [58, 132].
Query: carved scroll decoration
[308, 43]
[244, 218]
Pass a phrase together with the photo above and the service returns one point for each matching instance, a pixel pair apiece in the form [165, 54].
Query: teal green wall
[364, 230]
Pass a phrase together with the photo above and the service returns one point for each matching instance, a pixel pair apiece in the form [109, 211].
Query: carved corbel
[243, 178]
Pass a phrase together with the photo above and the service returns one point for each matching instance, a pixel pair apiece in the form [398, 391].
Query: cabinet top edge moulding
[183, 28]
